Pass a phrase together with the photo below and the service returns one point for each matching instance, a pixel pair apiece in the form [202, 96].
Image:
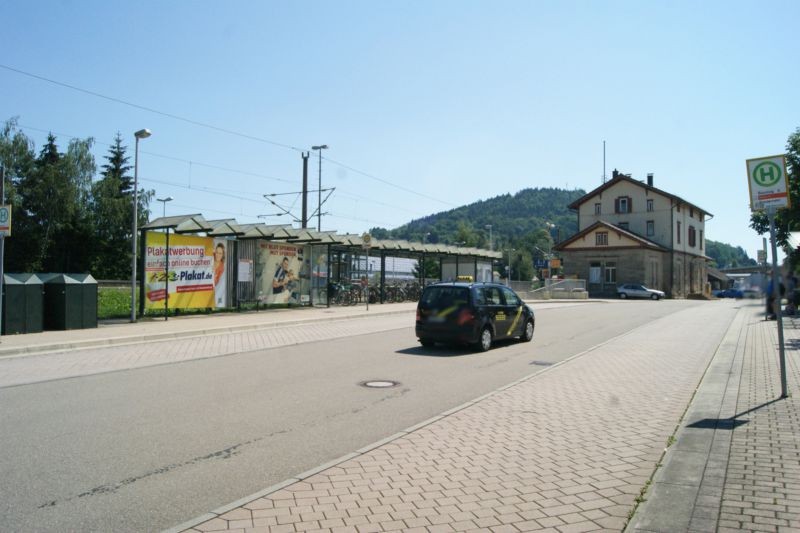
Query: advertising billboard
[283, 274]
[193, 273]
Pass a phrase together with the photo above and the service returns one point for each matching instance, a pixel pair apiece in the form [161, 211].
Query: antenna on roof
[604, 161]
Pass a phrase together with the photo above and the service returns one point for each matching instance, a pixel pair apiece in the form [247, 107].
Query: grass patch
[113, 302]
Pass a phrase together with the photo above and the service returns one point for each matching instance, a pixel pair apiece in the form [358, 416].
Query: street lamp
[319, 150]
[166, 258]
[489, 227]
[508, 277]
[141, 134]
[164, 202]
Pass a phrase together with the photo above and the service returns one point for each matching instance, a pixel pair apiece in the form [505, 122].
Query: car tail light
[465, 317]
[419, 317]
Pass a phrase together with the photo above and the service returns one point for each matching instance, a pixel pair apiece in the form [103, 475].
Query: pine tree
[118, 167]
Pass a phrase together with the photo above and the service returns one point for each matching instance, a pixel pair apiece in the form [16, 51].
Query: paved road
[147, 448]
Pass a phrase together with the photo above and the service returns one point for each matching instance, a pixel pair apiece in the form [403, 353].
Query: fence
[569, 289]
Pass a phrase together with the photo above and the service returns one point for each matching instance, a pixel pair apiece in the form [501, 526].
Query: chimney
[649, 179]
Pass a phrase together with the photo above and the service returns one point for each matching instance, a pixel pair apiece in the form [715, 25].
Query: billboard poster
[220, 273]
[190, 272]
[283, 274]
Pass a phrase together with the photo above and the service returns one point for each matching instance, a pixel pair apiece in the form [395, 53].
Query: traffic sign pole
[776, 293]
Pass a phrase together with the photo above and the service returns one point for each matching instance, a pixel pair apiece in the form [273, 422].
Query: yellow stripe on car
[516, 320]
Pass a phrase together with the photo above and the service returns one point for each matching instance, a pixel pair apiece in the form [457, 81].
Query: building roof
[641, 241]
[623, 177]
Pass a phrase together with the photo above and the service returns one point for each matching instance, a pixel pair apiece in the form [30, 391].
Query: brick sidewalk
[567, 450]
[736, 463]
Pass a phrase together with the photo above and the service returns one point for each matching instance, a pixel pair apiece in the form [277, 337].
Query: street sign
[555, 263]
[540, 263]
[366, 240]
[5, 220]
[762, 256]
[769, 182]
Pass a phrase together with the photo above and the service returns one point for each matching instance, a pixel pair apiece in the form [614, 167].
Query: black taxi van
[472, 313]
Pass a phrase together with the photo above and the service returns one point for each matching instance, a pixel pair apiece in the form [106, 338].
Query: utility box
[23, 304]
[70, 301]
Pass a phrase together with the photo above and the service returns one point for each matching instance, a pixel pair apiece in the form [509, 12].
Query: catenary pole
[2, 242]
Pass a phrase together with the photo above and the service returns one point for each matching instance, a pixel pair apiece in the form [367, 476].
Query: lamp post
[508, 278]
[141, 134]
[489, 227]
[166, 258]
[319, 150]
[164, 202]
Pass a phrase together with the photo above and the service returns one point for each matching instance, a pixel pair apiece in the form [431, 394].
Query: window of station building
[601, 238]
[597, 208]
[611, 272]
[651, 228]
[701, 239]
[691, 212]
[650, 205]
[678, 232]
[623, 204]
[692, 237]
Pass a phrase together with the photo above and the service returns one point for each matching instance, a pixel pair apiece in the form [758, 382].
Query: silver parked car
[634, 290]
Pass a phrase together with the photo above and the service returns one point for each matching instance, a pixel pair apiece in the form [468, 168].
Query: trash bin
[89, 299]
[70, 301]
[23, 299]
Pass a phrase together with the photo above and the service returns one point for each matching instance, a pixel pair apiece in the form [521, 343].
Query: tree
[786, 219]
[431, 268]
[113, 211]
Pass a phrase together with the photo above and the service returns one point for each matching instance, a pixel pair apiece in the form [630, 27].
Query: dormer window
[623, 204]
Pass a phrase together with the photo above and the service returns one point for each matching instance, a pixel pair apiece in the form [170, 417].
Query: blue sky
[425, 105]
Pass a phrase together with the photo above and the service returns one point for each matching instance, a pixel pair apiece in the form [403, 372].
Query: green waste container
[23, 304]
[70, 301]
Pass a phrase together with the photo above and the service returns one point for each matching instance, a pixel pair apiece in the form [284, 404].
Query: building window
[597, 209]
[595, 273]
[611, 272]
[701, 239]
[692, 237]
[601, 238]
[678, 208]
[650, 205]
[691, 212]
[651, 228]
[623, 204]
[624, 225]
[678, 232]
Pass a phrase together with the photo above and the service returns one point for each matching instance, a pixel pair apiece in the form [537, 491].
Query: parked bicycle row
[356, 293]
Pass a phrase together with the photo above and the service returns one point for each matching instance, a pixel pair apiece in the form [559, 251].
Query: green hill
[528, 222]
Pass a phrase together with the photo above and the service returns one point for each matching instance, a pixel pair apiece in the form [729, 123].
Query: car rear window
[442, 297]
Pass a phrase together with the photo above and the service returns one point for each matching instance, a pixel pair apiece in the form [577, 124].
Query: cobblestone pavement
[87, 361]
[762, 485]
[568, 449]
[735, 465]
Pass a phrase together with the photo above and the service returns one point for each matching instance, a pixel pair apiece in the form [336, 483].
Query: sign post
[769, 191]
[5, 228]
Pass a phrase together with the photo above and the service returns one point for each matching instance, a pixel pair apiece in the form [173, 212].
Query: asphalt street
[161, 444]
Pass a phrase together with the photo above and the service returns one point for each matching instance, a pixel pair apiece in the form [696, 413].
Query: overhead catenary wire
[217, 128]
[342, 192]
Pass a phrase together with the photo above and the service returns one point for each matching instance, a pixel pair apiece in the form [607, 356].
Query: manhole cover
[541, 363]
[379, 384]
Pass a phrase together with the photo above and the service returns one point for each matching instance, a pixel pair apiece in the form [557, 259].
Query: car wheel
[527, 334]
[622, 295]
[485, 340]
[426, 342]
[654, 296]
